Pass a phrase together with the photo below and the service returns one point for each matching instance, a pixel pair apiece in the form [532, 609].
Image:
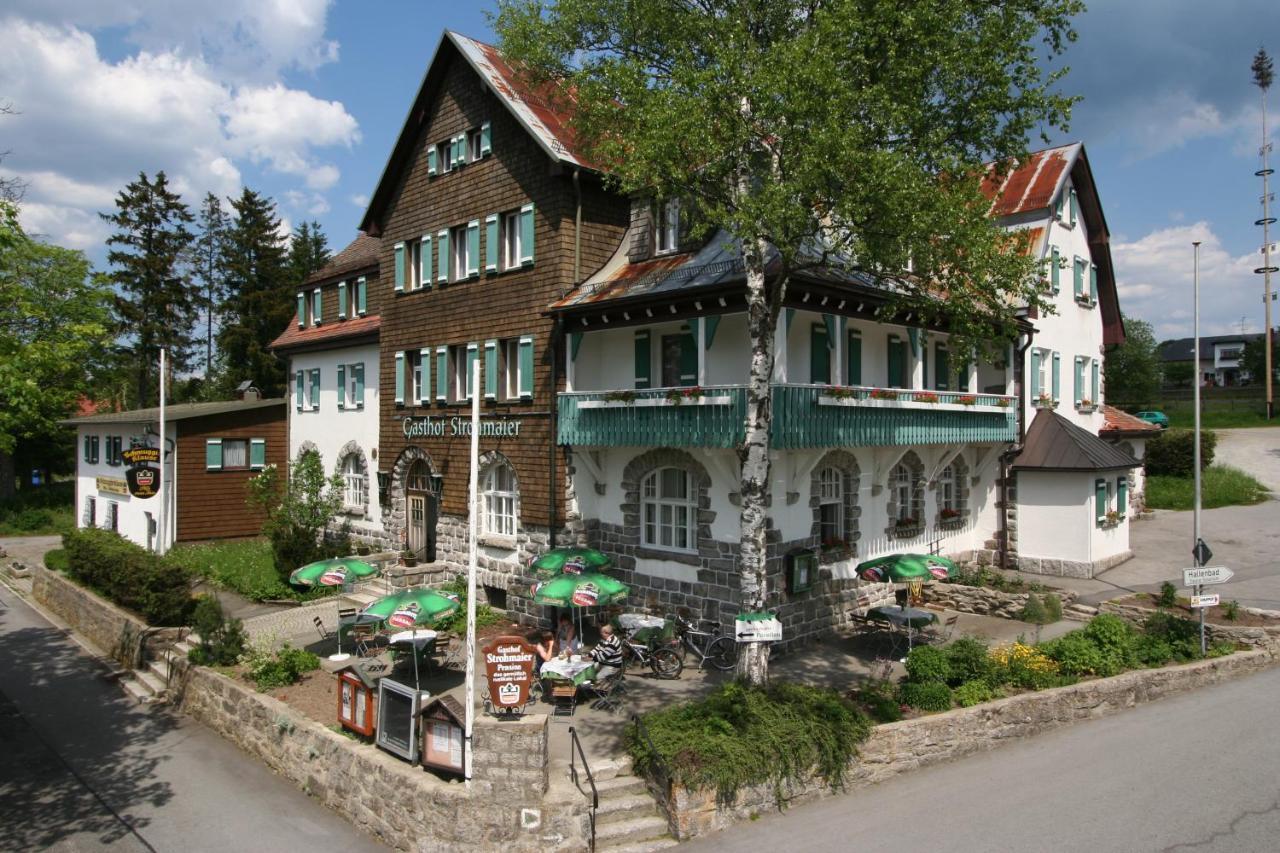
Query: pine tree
[308, 252]
[156, 306]
[207, 266]
[259, 296]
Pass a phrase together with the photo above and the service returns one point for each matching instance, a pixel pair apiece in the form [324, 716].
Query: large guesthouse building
[614, 356]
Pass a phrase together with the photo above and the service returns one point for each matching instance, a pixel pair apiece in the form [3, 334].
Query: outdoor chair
[321, 629]
[606, 691]
[862, 625]
[941, 632]
[365, 638]
[564, 697]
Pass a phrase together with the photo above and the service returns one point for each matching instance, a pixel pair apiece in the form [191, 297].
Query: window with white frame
[473, 145]
[511, 240]
[235, 453]
[113, 516]
[509, 386]
[413, 264]
[669, 510]
[499, 494]
[353, 380]
[667, 227]
[355, 483]
[831, 506]
[904, 486]
[948, 494]
[460, 358]
[90, 512]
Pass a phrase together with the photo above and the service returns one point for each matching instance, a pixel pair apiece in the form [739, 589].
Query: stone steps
[1079, 612]
[627, 819]
[635, 830]
[619, 808]
[619, 786]
[639, 846]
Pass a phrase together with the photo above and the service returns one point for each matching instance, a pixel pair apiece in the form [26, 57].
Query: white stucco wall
[1057, 521]
[132, 512]
[329, 428]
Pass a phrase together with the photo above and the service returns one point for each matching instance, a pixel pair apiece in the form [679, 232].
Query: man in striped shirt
[607, 654]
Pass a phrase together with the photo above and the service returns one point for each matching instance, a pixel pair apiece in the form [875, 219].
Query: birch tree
[847, 134]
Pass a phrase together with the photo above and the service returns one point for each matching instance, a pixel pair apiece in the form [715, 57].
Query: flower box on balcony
[884, 394]
[643, 402]
[967, 400]
[925, 397]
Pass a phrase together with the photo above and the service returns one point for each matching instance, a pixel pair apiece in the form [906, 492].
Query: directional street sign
[1210, 600]
[1201, 553]
[1205, 575]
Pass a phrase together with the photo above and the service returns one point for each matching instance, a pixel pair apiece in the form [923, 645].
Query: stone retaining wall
[987, 602]
[1250, 636]
[120, 635]
[895, 748]
[403, 805]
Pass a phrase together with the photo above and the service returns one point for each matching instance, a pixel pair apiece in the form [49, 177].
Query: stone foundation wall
[123, 637]
[1069, 568]
[401, 804]
[1261, 637]
[987, 602]
[896, 748]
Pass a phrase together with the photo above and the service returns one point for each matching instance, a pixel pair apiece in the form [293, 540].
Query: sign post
[473, 507]
[1199, 550]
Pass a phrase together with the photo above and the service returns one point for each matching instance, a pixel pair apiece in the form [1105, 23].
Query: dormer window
[667, 227]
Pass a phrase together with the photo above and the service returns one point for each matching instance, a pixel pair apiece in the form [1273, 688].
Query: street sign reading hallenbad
[1206, 575]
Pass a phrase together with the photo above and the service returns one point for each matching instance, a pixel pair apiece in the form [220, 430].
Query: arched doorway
[422, 510]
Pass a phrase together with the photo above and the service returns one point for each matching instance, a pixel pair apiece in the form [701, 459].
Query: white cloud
[278, 125]
[360, 200]
[1154, 278]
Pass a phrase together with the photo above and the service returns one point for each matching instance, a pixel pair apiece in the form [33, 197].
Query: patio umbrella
[589, 589]
[569, 560]
[901, 568]
[411, 609]
[335, 572]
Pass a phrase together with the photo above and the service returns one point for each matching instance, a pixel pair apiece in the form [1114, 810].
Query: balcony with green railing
[804, 416]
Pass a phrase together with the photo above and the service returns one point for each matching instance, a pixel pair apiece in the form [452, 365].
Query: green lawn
[1184, 418]
[1220, 485]
[244, 566]
[56, 560]
[41, 511]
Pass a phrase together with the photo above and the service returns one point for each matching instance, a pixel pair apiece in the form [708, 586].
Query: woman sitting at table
[607, 654]
[546, 649]
[567, 636]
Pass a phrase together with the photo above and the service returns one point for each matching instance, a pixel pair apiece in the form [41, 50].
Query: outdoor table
[420, 639]
[632, 622]
[578, 672]
[904, 617]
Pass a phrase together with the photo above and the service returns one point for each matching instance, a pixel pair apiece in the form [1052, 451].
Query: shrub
[927, 663]
[1172, 453]
[1114, 638]
[222, 639]
[1023, 666]
[1034, 611]
[269, 669]
[485, 615]
[879, 700]
[31, 519]
[973, 693]
[925, 695]
[1053, 607]
[1181, 635]
[1152, 651]
[298, 508]
[968, 661]
[1231, 610]
[743, 735]
[1168, 596]
[1075, 654]
[129, 575]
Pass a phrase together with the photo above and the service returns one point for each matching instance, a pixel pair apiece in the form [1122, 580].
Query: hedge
[154, 588]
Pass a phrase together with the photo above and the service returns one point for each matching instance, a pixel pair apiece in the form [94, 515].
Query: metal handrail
[575, 745]
[657, 765]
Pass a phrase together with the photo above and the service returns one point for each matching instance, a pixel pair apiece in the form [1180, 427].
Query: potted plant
[1113, 518]
[1044, 400]
[839, 392]
[926, 397]
[949, 514]
[1003, 402]
[624, 396]
[884, 394]
[408, 558]
[1085, 403]
[967, 400]
[906, 526]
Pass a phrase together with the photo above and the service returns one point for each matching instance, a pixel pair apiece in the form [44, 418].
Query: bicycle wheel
[722, 653]
[666, 663]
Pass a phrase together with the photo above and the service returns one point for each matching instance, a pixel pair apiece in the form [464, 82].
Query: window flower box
[905, 528]
[925, 397]
[884, 394]
[1044, 401]
[677, 396]
[835, 550]
[1085, 405]
[967, 400]
[839, 393]
[620, 397]
[1003, 402]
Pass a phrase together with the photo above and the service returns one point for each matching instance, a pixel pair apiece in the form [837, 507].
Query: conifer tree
[308, 252]
[207, 267]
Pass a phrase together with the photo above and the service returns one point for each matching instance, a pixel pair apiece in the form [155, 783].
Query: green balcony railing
[804, 416]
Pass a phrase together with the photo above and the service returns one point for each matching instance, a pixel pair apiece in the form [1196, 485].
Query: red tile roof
[360, 253]
[1031, 185]
[326, 332]
[1120, 423]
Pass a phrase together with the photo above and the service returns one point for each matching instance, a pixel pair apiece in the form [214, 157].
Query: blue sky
[302, 99]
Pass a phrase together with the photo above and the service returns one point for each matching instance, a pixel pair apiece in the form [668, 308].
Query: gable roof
[536, 111]
[1179, 349]
[326, 334]
[1053, 443]
[361, 253]
[1033, 185]
[178, 412]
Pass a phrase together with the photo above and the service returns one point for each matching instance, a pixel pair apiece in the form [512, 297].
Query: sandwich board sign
[1206, 575]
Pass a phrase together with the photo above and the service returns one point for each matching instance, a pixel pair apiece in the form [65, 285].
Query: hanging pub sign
[508, 667]
[143, 475]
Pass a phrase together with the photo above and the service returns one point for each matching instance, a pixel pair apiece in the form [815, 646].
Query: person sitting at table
[546, 649]
[607, 654]
[567, 636]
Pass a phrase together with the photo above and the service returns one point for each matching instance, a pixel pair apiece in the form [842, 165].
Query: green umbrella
[335, 572]
[588, 589]
[901, 568]
[568, 560]
[411, 608]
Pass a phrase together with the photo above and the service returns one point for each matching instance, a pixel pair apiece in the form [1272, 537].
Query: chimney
[247, 392]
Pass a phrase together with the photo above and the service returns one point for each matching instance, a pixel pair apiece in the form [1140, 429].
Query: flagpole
[163, 516]
[473, 509]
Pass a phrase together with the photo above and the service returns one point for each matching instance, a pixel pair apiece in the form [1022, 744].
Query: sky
[303, 99]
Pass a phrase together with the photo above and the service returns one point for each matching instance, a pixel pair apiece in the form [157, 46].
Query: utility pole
[1262, 76]
[1195, 513]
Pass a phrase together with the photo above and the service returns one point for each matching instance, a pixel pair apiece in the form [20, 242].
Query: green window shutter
[819, 355]
[1093, 283]
[342, 387]
[1122, 495]
[442, 256]
[442, 373]
[1057, 368]
[1079, 380]
[86, 448]
[1055, 270]
[342, 300]
[213, 454]
[359, 370]
[297, 395]
[897, 363]
[491, 242]
[491, 370]
[424, 365]
[362, 295]
[96, 457]
[1078, 278]
[302, 310]
[473, 247]
[460, 149]
[315, 388]
[257, 453]
[709, 326]
[1035, 374]
[643, 359]
[473, 353]
[486, 140]
[853, 360]
[941, 368]
[1100, 500]
[688, 360]
[526, 234]
[431, 159]
[424, 262]
[399, 249]
[399, 372]
[526, 366]
[1094, 383]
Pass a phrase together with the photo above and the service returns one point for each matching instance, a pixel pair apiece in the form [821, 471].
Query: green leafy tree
[54, 322]
[1133, 368]
[297, 508]
[842, 134]
[207, 264]
[308, 252]
[1254, 360]
[156, 306]
[259, 296]
[1178, 373]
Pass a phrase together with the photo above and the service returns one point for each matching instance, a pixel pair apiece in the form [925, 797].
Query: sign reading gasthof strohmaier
[455, 426]
[508, 666]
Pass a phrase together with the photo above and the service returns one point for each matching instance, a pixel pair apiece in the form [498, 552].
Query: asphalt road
[82, 768]
[1193, 773]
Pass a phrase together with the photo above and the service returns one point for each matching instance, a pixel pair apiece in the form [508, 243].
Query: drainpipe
[577, 228]
[553, 348]
[1002, 537]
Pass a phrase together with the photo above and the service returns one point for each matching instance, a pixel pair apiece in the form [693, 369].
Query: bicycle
[710, 646]
[664, 661]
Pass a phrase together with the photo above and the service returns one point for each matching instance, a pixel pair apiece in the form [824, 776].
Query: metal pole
[473, 508]
[1266, 270]
[1195, 512]
[162, 517]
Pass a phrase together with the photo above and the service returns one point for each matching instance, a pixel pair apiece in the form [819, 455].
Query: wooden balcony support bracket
[946, 455]
[885, 460]
[984, 457]
[723, 464]
[591, 463]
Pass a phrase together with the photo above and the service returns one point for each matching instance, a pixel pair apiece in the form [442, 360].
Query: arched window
[669, 510]
[904, 485]
[355, 483]
[948, 494]
[419, 477]
[831, 506]
[499, 494]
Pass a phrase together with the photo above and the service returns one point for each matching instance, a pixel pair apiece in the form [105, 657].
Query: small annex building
[211, 451]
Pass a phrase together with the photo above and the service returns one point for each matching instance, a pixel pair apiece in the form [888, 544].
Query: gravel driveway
[1255, 450]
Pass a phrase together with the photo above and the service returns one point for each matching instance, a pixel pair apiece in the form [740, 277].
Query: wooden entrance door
[421, 507]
